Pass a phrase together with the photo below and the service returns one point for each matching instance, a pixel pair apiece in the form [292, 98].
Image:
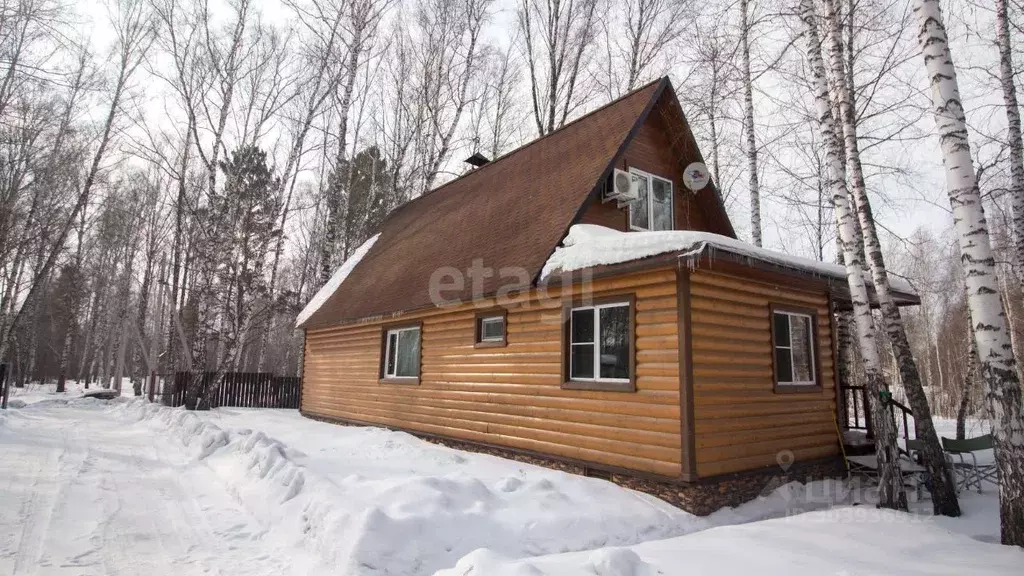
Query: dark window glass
[492, 329]
[392, 353]
[661, 204]
[614, 358]
[582, 361]
[582, 326]
[781, 329]
[783, 365]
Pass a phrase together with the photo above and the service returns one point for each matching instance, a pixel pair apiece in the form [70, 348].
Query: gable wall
[740, 421]
[650, 151]
[512, 396]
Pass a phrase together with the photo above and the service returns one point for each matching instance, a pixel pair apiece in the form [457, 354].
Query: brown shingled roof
[512, 212]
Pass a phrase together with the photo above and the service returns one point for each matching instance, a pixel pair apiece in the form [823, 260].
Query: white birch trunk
[748, 126]
[890, 485]
[988, 320]
[331, 251]
[943, 490]
[1013, 135]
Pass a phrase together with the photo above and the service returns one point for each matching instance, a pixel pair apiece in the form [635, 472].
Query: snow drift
[415, 523]
[849, 540]
[588, 245]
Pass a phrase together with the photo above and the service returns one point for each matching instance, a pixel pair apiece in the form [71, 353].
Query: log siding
[740, 421]
[649, 151]
[513, 396]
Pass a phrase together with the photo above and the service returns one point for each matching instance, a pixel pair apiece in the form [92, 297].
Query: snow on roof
[334, 283]
[589, 245]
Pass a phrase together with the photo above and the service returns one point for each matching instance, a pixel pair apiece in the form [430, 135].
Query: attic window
[652, 210]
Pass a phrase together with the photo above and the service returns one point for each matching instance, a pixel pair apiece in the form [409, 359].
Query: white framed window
[653, 208]
[793, 339]
[600, 342]
[492, 329]
[402, 353]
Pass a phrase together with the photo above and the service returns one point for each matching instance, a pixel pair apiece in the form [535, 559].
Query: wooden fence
[236, 389]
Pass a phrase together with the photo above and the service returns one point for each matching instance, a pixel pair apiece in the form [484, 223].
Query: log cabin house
[481, 314]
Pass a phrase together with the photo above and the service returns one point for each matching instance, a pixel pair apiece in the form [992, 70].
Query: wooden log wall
[511, 396]
[740, 422]
[650, 151]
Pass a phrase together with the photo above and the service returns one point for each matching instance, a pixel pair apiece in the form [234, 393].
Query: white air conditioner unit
[625, 187]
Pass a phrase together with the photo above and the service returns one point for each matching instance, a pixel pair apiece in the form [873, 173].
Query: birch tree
[557, 40]
[995, 353]
[943, 490]
[362, 18]
[1013, 133]
[712, 86]
[748, 124]
[498, 115]
[448, 54]
[890, 483]
[638, 46]
[133, 28]
[324, 33]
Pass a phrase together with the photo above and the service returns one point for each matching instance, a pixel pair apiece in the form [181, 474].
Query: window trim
[478, 341]
[386, 329]
[815, 385]
[650, 205]
[601, 384]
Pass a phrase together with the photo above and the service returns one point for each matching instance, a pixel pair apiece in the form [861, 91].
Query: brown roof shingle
[510, 213]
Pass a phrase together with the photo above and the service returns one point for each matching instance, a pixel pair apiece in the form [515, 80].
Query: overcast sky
[903, 203]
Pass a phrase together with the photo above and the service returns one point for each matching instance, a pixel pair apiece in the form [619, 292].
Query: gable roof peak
[664, 80]
[509, 214]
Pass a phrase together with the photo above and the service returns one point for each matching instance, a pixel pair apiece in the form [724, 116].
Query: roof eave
[836, 286]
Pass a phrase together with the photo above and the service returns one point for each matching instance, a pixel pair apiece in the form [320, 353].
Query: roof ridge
[530, 143]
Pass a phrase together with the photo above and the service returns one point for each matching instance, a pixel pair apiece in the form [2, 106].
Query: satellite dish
[696, 176]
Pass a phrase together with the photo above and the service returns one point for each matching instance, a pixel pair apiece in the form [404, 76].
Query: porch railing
[856, 412]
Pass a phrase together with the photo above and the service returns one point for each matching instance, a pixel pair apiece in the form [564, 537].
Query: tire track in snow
[48, 495]
[91, 495]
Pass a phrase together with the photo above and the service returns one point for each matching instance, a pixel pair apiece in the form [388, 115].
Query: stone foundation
[701, 497]
[709, 494]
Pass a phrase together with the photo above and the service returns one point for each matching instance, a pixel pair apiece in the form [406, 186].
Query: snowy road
[92, 488]
[80, 495]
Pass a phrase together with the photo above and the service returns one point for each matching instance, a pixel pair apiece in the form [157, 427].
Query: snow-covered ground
[90, 487]
[85, 492]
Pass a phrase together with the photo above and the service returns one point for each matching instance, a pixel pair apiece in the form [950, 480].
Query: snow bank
[588, 245]
[398, 505]
[334, 283]
[851, 540]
